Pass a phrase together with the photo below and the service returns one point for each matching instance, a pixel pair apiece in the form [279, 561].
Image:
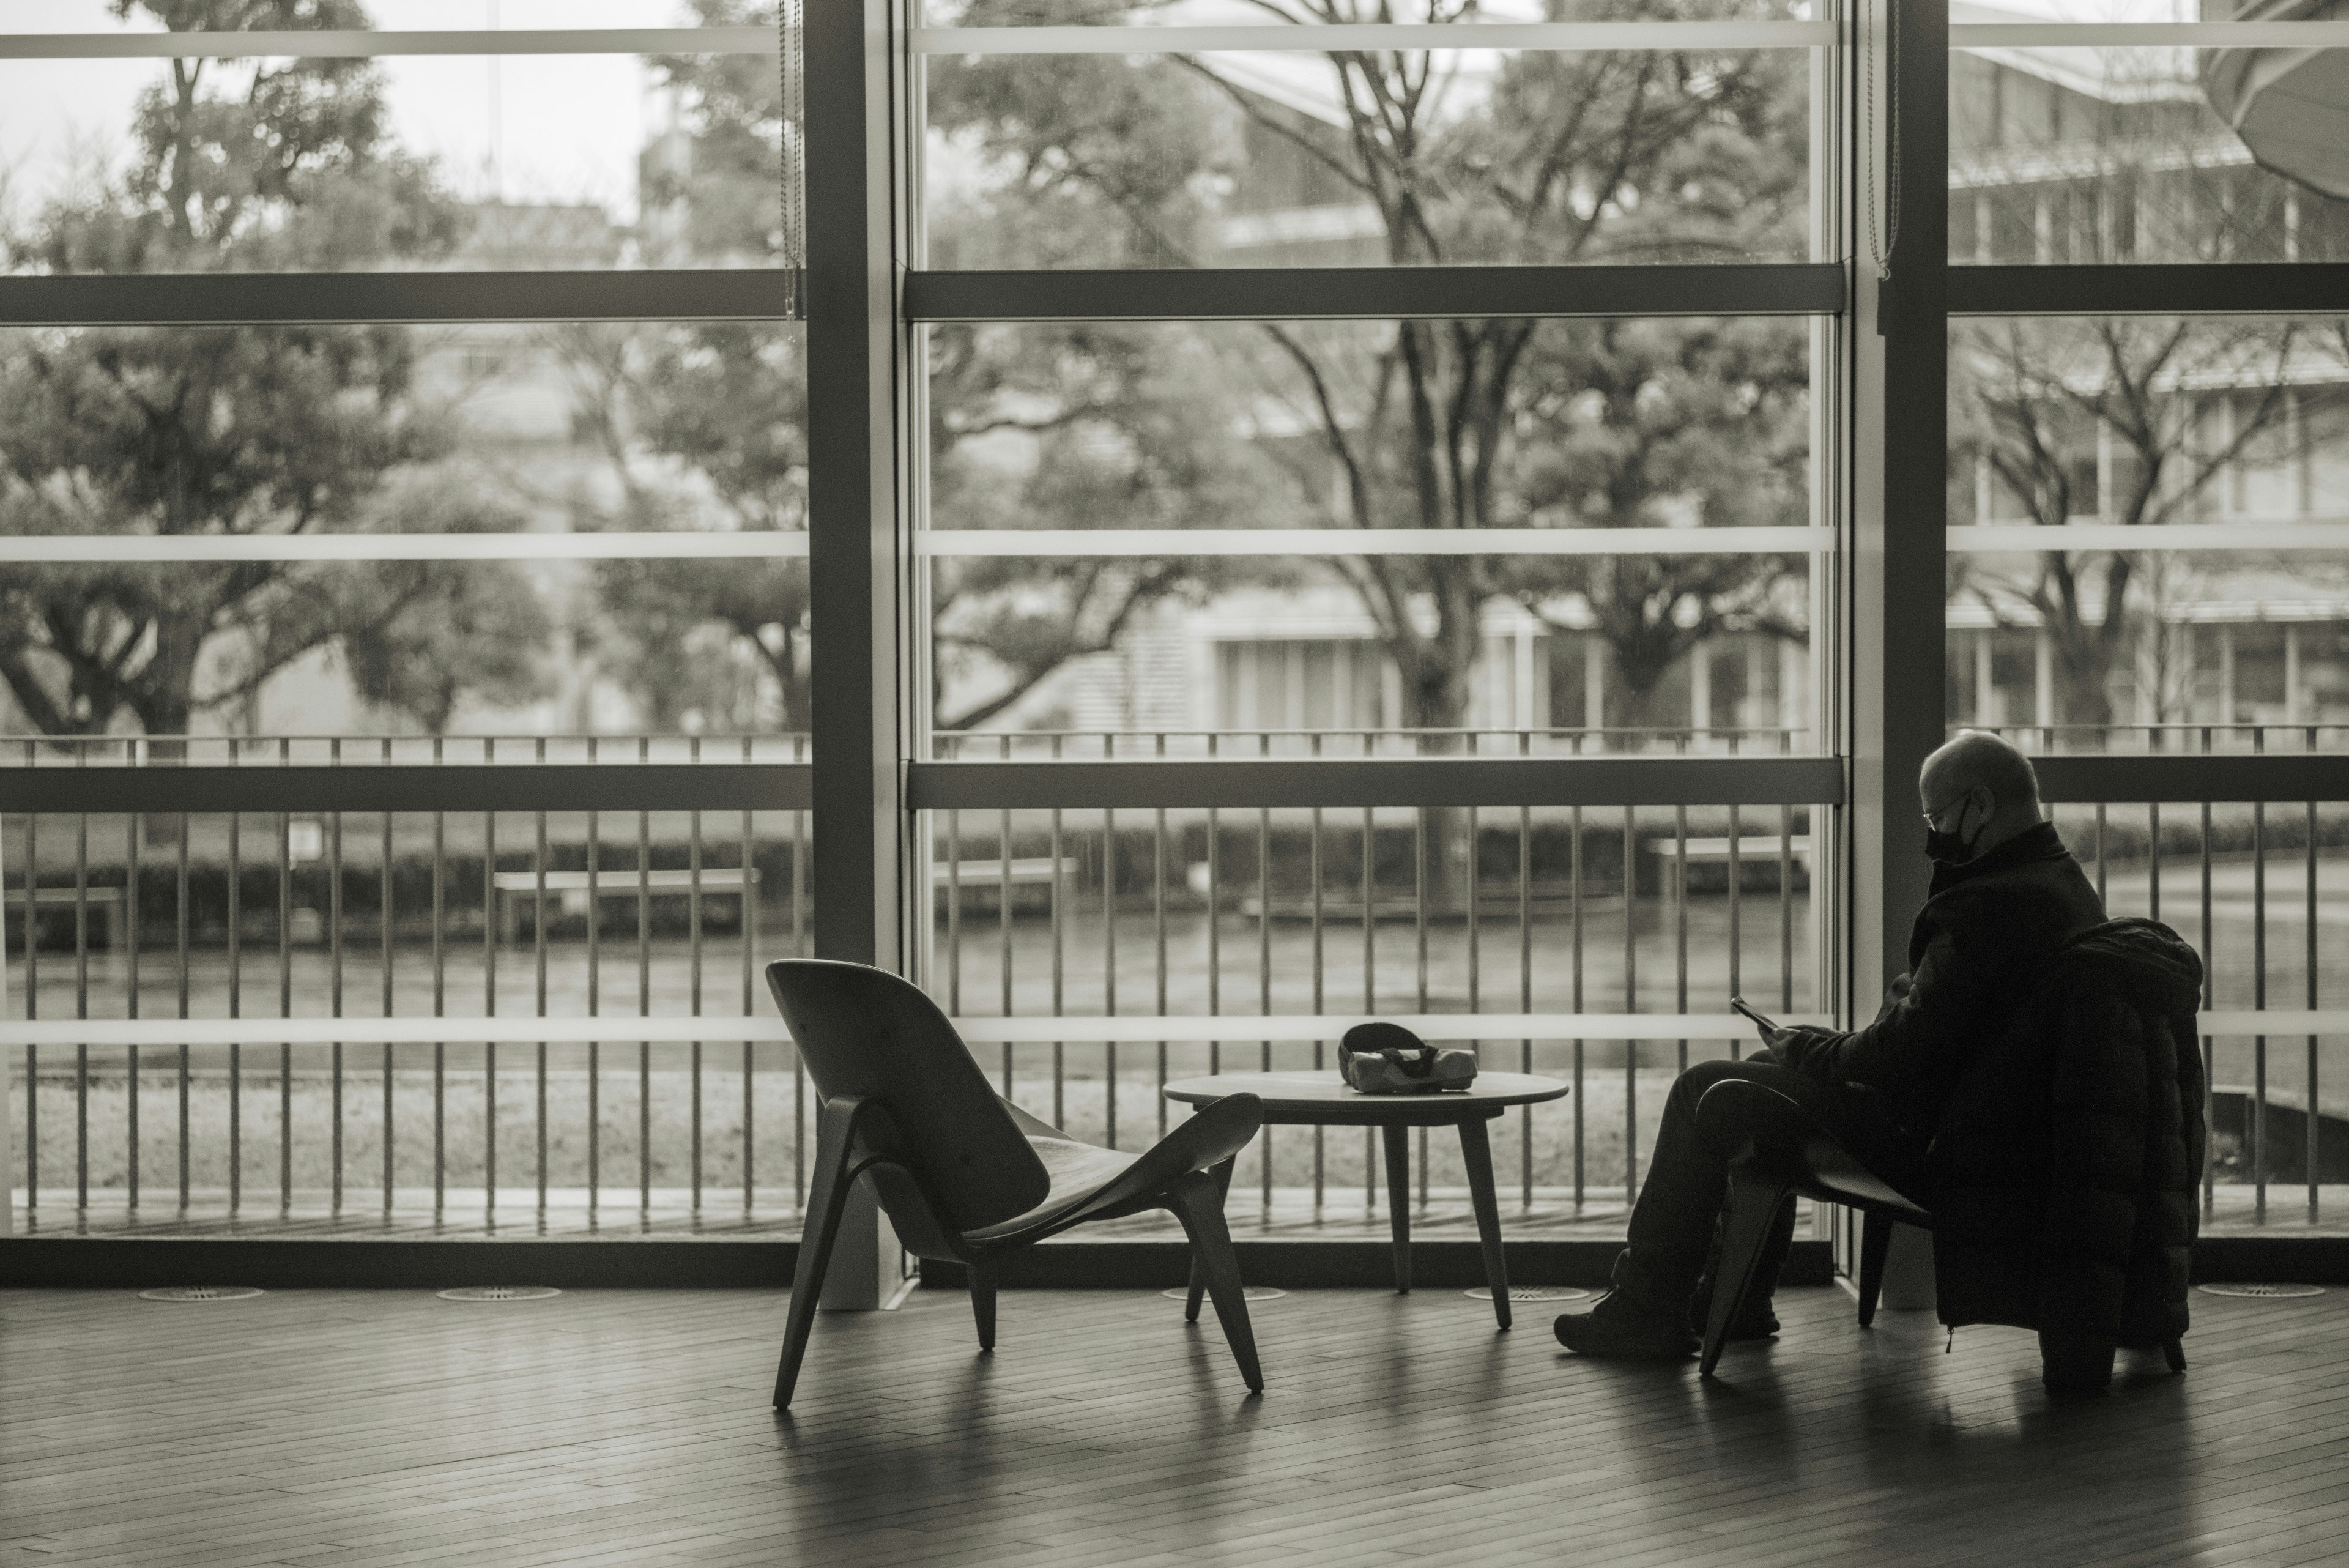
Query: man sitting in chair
[2006, 894]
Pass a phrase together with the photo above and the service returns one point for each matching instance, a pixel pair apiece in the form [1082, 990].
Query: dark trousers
[1674, 1226]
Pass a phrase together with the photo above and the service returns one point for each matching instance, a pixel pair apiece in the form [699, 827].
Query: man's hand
[1798, 1045]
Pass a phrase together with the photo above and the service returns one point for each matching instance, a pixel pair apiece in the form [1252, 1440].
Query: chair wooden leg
[1477, 1154]
[2173, 1351]
[982, 1303]
[1875, 1247]
[827, 1196]
[1398, 1142]
[1199, 1202]
[1223, 1175]
[1754, 1201]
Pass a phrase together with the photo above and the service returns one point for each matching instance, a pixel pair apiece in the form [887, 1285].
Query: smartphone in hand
[1739, 1005]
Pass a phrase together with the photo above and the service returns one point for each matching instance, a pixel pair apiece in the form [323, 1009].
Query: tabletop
[1324, 1093]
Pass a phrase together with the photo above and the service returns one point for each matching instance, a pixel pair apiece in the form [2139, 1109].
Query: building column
[857, 534]
[1900, 336]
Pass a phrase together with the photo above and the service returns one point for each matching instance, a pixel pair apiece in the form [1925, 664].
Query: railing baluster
[182, 923]
[1419, 928]
[386, 901]
[2312, 1117]
[489, 1010]
[1158, 928]
[1313, 871]
[1525, 980]
[1631, 1002]
[2209, 1045]
[595, 1007]
[953, 912]
[1264, 964]
[2259, 1005]
[1736, 908]
[1574, 916]
[1786, 898]
[1214, 925]
[747, 911]
[440, 1004]
[1109, 968]
[1060, 964]
[81, 1009]
[131, 1077]
[1680, 918]
[538, 953]
[2100, 852]
[1003, 913]
[334, 988]
[1370, 987]
[644, 997]
[693, 949]
[2153, 860]
[235, 1004]
[32, 1012]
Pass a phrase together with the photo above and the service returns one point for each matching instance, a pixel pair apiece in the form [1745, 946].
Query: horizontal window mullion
[2132, 777]
[2227, 288]
[1030, 542]
[2308, 34]
[369, 44]
[519, 1028]
[258, 299]
[1378, 782]
[1344, 294]
[2263, 534]
[158, 549]
[1019, 543]
[1319, 38]
[399, 786]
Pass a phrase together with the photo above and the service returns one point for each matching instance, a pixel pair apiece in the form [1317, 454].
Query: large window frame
[1879, 348]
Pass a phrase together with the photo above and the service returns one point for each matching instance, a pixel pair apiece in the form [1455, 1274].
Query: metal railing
[334, 975]
[288, 997]
[527, 992]
[2192, 740]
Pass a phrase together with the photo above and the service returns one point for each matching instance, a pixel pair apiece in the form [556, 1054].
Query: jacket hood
[2144, 956]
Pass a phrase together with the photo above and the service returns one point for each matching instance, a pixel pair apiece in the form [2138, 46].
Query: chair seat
[1077, 1172]
[1830, 1171]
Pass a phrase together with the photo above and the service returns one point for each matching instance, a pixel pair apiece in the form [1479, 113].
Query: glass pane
[2062, 155]
[1212, 433]
[2197, 640]
[1365, 160]
[449, 162]
[128, 440]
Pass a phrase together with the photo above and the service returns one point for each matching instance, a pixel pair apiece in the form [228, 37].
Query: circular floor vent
[2262, 1292]
[500, 1293]
[1253, 1293]
[1532, 1294]
[200, 1293]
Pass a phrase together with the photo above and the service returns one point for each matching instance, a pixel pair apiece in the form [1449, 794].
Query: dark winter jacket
[2065, 1171]
[1987, 933]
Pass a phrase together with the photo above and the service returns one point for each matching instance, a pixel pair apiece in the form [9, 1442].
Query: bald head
[1981, 788]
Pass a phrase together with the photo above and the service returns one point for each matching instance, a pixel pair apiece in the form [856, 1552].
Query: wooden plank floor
[333, 1430]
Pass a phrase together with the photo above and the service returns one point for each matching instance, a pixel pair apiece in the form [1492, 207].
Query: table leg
[1223, 1175]
[1477, 1153]
[1397, 1140]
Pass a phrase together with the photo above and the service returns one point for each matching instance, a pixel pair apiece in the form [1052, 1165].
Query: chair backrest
[864, 1030]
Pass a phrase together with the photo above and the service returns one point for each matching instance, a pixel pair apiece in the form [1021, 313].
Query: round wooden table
[1323, 1099]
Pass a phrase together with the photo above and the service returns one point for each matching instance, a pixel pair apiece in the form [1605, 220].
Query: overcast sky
[568, 126]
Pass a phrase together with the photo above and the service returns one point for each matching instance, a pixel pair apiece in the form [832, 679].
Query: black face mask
[1948, 848]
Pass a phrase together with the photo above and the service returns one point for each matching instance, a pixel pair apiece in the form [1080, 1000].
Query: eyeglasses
[1934, 815]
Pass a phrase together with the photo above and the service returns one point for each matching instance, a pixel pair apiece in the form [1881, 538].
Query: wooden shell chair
[1788, 1152]
[963, 1174]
